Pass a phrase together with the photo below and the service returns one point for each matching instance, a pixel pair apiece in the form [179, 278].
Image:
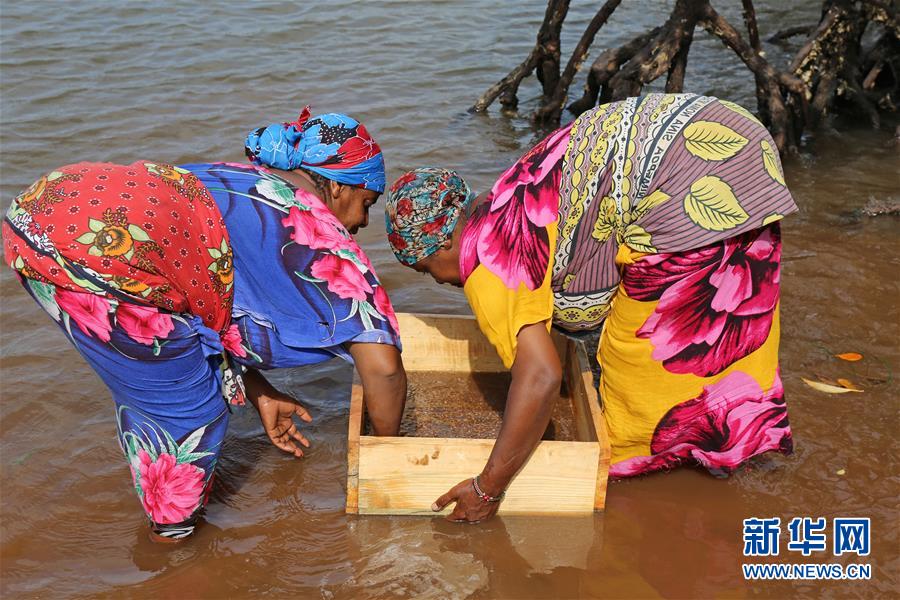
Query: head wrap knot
[422, 209]
[333, 145]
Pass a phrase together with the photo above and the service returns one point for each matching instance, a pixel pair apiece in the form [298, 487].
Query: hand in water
[276, 413]
[469, 507]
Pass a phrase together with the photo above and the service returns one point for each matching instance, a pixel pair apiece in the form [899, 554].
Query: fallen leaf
[827, 388]
[825, 380]
[849, 385]
[841, 472]
[850, 356]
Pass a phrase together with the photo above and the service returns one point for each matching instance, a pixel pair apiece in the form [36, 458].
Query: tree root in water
[831, 72]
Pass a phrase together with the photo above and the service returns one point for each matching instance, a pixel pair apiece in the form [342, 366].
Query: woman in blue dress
[178, 284]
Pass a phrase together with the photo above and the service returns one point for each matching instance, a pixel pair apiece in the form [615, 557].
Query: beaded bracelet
[486, 497]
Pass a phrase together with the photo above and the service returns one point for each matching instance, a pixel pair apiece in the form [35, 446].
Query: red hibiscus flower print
[89, 311]
[231, 341]
[342, 276]
[315, 228]
[508, 233]
[383, 306]
[729, 422]
[508, 244]
[716, 304]
[143, 324]
[534, 180]
[171, 491]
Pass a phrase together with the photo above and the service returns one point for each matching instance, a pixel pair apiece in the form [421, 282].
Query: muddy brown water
[92, 80]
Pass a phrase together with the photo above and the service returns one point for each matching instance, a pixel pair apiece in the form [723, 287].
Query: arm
[276, 412]
[536, 377]
[384, 384]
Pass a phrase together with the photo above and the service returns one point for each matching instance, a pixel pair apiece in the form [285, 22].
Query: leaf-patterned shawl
[658, 173]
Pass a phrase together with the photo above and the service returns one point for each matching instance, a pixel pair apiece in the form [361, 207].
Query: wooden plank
[446, 343]
[405, 476]
[584, 422]
[579, 368]
[561, 343]
[452, 343]
[355, 430]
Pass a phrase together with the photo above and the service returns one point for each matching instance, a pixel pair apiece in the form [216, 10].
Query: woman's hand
[536, 377]
[469, 507]
[276, 412]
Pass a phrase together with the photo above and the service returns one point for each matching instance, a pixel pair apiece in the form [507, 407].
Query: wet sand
[452, 405]
[89, 81]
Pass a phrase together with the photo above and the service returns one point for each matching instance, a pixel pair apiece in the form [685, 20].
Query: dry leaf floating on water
[849, 385]
[827, 388]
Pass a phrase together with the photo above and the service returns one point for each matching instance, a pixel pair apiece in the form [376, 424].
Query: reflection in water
[512, 557]
[148, 81]
[701, 554]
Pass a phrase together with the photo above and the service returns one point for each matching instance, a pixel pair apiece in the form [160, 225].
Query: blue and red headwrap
[333, 145]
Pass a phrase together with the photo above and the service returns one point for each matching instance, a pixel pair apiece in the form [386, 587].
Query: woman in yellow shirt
[655, 218]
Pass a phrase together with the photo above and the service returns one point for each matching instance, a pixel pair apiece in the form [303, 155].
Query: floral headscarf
[421, 211]
[333, 145]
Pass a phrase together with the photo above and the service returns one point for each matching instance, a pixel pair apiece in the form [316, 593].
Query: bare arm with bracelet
[536, 377]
